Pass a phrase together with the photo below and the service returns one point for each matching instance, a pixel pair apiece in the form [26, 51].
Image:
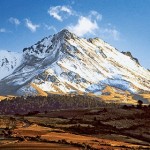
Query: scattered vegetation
[32, 105]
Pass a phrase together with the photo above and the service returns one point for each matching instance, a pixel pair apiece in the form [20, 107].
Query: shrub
[139, 105]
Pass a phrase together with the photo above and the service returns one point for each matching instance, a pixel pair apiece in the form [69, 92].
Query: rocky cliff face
[65, 63]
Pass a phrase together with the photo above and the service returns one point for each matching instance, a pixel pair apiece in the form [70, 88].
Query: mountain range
[64, 63]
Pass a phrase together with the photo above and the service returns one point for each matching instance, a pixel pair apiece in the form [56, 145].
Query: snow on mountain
[9, 61]
[65, 63]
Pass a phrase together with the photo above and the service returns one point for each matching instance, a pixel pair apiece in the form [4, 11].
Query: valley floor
[99, 128]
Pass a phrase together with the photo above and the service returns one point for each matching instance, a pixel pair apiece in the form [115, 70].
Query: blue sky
[125, 24]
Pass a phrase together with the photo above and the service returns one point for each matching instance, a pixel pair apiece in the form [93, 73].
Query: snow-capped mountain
[65, 63]
[9, 61]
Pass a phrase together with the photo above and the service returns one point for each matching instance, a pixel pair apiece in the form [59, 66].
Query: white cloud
[108, 33]
[84, 26]
[114, 33]
[14, 21]
[48, 27]
[95, 14]
[58, 12]
[90, 25]
[2, 30]
[32, 27]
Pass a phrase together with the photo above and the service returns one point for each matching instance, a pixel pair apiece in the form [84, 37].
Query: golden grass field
[101, 128]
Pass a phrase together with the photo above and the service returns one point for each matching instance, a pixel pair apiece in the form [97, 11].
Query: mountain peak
[64, 31]
[64, 34]
[43, 48]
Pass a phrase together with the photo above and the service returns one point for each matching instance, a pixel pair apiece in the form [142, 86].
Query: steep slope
[65, 63]
[9, 61]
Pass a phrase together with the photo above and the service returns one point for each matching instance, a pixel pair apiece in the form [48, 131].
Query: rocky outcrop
[131, 56]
